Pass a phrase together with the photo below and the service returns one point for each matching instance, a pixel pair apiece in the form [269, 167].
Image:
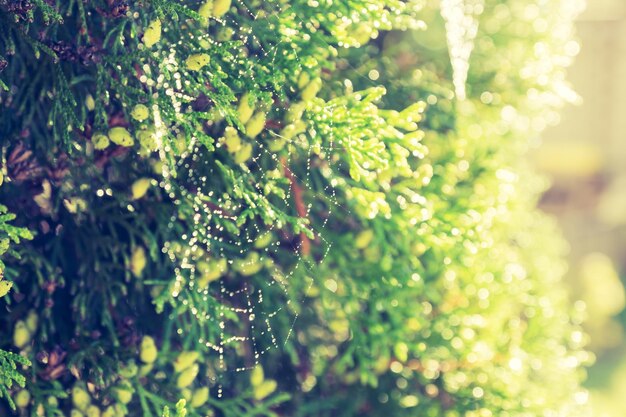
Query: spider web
[243, 303]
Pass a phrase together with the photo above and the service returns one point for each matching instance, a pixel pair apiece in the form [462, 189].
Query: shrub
[284, 208]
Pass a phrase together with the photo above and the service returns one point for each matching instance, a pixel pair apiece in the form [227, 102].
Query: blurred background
[586, 157]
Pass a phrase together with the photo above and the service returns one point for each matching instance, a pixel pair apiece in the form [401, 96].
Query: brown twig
[305, 243]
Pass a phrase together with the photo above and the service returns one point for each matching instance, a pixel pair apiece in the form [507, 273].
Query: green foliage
[9, 235]
[281, 208]
[180, 410]
[9, 373]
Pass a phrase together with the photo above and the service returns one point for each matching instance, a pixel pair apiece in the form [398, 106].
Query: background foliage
[281, 208]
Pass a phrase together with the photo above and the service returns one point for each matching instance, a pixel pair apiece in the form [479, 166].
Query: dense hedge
[282, 208]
